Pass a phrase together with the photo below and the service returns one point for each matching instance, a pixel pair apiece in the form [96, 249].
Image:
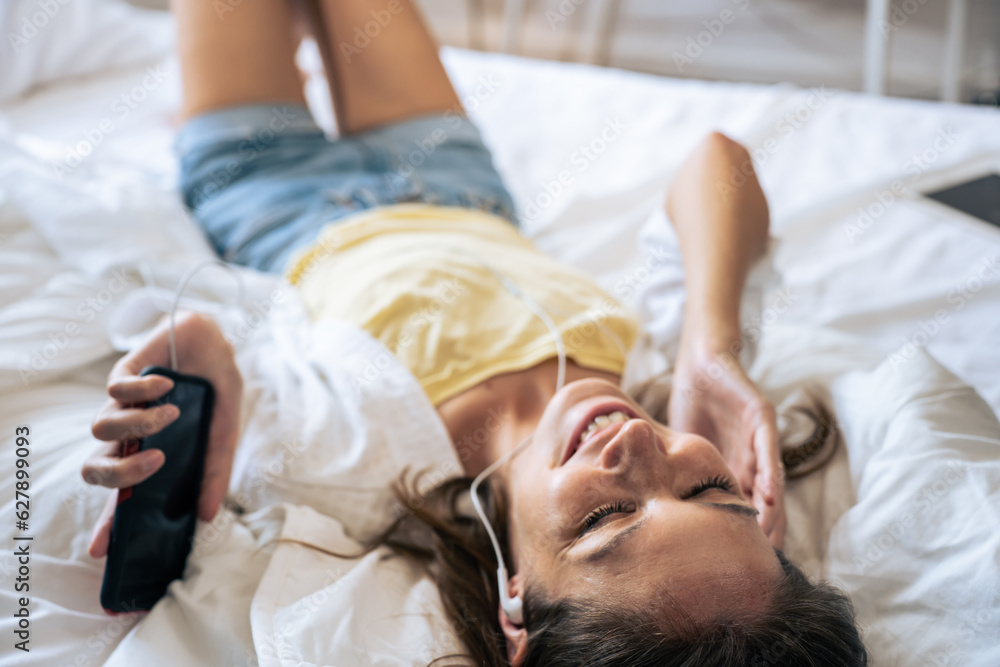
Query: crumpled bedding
[893, 312]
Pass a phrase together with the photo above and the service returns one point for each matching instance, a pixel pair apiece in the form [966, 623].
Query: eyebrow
[622, 535]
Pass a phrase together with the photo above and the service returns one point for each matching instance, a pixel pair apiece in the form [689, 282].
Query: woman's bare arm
[721, 217]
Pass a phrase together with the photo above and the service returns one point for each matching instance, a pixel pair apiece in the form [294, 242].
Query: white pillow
[905, 517]
[50, 39]
[918, 552]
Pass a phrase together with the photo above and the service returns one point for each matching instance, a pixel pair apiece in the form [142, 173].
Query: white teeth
[603, 420]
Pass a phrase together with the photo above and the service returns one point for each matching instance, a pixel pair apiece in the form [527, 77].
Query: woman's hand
[713, 397]
[202, 350]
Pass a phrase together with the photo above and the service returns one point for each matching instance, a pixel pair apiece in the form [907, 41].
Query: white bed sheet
[822, 155]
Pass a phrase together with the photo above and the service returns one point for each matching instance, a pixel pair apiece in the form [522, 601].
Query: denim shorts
[263, 180]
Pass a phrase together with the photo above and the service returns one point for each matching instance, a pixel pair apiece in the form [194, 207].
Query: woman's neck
[489, 419]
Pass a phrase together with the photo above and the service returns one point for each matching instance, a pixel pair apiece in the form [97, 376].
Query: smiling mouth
[600, 420]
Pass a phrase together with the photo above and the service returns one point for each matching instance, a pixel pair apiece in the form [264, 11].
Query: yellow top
[426, 281]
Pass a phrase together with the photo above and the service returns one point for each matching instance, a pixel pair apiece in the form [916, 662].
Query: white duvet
[905, 519]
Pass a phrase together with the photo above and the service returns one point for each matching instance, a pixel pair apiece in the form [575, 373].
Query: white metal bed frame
[601, 17]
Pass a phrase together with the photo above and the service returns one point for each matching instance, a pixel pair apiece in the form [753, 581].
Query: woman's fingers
[771, 518]
[114, 422]
[202, 350]
[100, 538]
[769, 481]
[139, 389]
[765, 515]
[106, 467]
[772, 522]
[777, 535]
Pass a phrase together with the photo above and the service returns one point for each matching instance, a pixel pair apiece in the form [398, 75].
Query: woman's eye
[600, 513]
[715, 482]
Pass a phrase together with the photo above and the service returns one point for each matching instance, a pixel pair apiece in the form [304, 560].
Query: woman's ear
[517, 636]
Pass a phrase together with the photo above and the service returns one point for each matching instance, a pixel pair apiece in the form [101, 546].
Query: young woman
[629, 543]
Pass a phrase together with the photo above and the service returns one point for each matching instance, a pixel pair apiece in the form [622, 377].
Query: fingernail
[170, 411]
[164, 382]
[150, 463]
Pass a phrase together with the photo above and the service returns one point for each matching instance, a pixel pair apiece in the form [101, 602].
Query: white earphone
[511, 604]
[180, 291]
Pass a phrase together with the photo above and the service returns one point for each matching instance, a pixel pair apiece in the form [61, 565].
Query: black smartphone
[979, 197]
[155, 520]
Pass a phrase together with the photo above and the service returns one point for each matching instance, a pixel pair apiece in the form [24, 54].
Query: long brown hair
[808, 625]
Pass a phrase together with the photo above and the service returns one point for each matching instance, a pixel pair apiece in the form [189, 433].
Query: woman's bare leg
[242, 56]
[381, 62]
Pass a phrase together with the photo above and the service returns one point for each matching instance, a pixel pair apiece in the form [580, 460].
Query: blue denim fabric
[263, 180]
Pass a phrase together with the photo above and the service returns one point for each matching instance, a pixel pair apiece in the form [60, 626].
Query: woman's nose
[637, 443]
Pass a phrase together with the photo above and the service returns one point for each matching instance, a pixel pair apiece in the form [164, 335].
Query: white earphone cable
[180, 291]
[512, 604]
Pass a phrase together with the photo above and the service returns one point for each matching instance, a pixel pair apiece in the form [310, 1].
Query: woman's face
[636, 513]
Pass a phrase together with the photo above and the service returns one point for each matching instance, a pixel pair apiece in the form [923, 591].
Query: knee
[717, 143]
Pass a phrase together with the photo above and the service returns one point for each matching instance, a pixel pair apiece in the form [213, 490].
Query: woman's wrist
[707, 337]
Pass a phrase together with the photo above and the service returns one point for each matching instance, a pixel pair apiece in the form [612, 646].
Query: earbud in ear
[511, 605]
